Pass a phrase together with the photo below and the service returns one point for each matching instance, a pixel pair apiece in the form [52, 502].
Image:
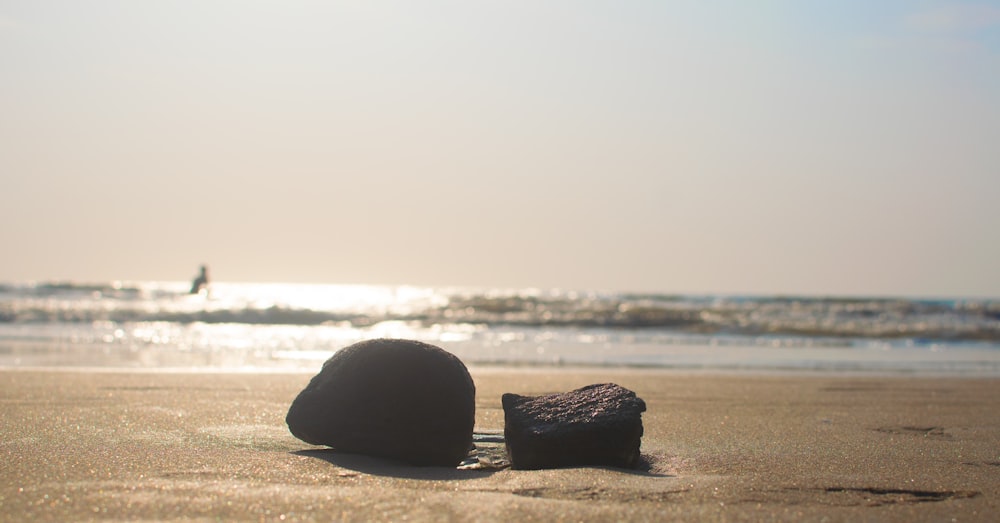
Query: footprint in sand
[930, 432]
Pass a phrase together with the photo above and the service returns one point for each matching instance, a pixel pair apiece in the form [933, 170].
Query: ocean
[295, 327]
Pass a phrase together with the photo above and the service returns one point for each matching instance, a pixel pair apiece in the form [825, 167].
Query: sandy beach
[161, 446]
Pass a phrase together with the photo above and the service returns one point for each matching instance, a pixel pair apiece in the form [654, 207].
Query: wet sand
[190, 446]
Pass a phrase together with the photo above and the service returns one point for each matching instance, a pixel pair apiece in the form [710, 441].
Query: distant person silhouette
[200, 281]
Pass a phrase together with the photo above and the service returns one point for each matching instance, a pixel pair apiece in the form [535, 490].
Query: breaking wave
[952, 320]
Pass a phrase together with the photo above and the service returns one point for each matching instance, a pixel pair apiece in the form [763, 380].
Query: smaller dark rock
[595, 425]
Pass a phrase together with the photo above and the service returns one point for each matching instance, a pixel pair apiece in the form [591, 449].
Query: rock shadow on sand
[377, 466]
[488, 457]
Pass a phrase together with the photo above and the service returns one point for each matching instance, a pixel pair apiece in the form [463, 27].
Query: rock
[596, 425]
[399, 399]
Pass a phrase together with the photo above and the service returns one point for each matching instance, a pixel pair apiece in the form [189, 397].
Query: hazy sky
[843, 147]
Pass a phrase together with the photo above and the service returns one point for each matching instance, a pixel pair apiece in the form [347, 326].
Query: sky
[825, 147]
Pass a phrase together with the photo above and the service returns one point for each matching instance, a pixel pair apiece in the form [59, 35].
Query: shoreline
[133, 444]
[543, 368]
[958, 360]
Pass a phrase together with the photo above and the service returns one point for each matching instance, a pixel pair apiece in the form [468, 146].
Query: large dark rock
[400, 399]
[596, 425]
